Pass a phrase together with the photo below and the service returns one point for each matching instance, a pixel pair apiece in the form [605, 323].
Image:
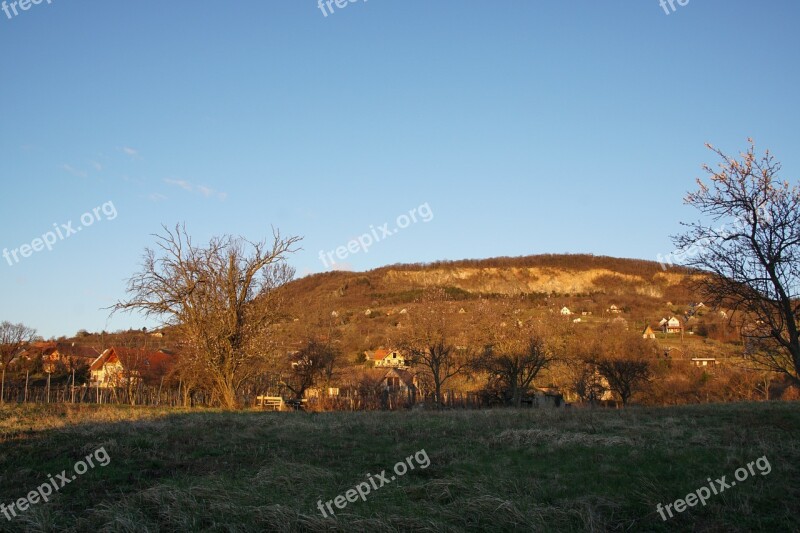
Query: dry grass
[504, 470]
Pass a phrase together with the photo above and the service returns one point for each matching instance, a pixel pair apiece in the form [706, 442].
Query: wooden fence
[172, 396]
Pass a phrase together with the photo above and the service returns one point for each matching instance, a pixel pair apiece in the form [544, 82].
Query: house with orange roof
[117, 367]
[383, 358]
[69, 354]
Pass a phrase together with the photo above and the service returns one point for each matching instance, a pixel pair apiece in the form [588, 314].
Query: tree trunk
[227, 396]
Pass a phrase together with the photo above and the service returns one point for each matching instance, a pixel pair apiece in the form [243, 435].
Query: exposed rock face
[532, 280]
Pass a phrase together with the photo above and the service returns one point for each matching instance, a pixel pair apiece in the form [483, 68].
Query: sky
[436, 130]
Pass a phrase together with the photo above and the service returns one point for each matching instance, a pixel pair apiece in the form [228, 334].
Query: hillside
[596, 277]
[583, 300]
[369, 306]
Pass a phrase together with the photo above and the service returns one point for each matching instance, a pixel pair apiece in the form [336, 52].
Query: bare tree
[625, 363]
[624, 375]
[12, 338]
[515, 361]
[316, 360]
[587, 381]
[751, 250]
[430, 340]
[221, 298]
[191, 374]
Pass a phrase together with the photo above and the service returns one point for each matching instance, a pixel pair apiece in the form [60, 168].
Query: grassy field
[501, 470]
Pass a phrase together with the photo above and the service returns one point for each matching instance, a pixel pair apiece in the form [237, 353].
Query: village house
[29, 352]
[673, 325]
[545, 398]
[118, 367]
[383, 358]
[55, 356]
[401, 381]
[704, 361]
[648, 333]
[614, 309]
[565, 311]
[70, 355]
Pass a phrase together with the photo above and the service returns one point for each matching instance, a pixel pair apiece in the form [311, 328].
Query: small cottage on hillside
[673, 325]
[383, 358]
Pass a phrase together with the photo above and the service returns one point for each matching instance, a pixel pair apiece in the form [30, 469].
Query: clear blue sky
[526, 126]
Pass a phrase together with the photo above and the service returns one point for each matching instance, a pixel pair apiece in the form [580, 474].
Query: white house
[383, 358]
[565, 311]
[393, 359]
[116, 366]
[107, 370]
[673, 325]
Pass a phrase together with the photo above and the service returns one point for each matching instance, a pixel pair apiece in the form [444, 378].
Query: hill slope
[369, 306]
[602, 279]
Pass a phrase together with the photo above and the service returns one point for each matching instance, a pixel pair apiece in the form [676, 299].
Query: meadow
[493, 470]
